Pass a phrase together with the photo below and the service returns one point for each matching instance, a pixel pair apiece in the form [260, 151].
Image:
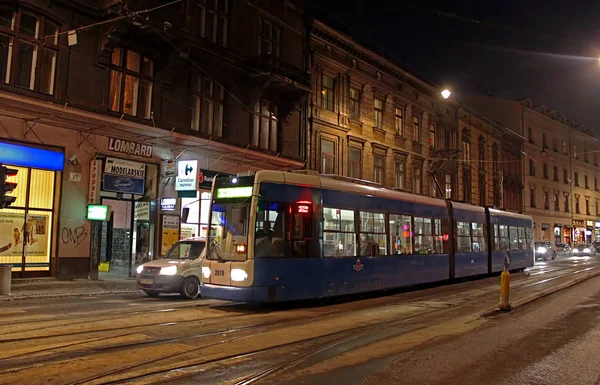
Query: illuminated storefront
[28, 227]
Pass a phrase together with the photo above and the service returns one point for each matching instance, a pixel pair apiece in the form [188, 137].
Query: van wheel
[190, 288]
[151, 294]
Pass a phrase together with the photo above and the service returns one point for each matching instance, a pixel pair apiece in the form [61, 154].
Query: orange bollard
[504, 305]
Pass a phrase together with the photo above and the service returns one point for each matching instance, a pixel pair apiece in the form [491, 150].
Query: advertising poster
[169, 233]
[14, 233]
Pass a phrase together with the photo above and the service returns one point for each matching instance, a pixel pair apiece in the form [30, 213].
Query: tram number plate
[219, 273]
[147, 281]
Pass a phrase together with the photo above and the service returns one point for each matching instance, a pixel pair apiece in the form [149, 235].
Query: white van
[178, 272]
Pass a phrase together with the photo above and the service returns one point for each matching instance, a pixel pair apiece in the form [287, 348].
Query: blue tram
[281, 236]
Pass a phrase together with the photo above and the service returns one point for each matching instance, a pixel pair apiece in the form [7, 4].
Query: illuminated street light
[446, 93]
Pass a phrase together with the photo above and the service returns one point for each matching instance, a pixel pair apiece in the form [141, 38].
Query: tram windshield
[228, 240]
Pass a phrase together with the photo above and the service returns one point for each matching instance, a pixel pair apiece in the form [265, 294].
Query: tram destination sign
[128, 147]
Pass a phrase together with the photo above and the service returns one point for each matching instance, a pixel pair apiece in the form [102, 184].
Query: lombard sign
[187, 175]
[129, 147]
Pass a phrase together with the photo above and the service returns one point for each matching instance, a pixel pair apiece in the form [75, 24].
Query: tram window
[372, 234]
[463, 237]
[438, 238]
[522, 239]
[423, 236]
[504, 239]
[478, 234]
[270, 225]
[529, 237]
[496, 246]
[301, 229]
[400, 237]
[339, 233]
[514, 239]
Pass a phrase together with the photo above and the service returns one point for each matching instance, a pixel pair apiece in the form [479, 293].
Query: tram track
[436, 299]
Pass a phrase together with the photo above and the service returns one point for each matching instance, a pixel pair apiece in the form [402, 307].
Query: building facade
[372, 120]
[131, 91]
[561, 190]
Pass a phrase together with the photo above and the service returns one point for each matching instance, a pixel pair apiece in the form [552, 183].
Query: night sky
[546, 51]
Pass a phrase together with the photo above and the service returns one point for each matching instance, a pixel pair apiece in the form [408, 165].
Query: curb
[544, 293]
[11, 297]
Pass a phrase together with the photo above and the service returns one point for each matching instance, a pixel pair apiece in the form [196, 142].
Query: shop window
[400, 234]
[131, 83]
[28, 50]
[208, 102]
[372, 234]
[339, 233]
[29, 220]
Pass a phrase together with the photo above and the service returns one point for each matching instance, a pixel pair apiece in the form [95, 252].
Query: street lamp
[446, 93]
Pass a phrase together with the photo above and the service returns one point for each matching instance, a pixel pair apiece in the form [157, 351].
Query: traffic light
[7, 187]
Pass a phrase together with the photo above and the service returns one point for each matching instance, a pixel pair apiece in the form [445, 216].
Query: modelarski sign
[129, 147]
[125, 168]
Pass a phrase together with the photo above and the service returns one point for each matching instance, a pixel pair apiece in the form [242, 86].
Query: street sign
[507, 259]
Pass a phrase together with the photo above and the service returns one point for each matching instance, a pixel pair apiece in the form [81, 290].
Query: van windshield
[185, 250]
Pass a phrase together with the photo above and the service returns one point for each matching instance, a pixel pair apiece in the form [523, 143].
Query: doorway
[126, 238]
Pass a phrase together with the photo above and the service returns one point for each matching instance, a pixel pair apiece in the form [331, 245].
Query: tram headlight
[206, 272]
[139, 269]
[541, 250]
[238, 275]
[169, 270]
[586, 250]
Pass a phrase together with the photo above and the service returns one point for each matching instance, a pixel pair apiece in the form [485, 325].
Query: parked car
[584, 250]
[563, 248]
[544, 250]
[178, 272]
[596, 246]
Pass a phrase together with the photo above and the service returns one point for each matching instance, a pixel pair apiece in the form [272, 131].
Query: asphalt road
[431, 335]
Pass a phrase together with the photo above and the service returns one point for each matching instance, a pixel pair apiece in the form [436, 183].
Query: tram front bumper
[241, 294]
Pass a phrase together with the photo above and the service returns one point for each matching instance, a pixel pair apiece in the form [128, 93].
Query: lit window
[448, 190]
[432, 135]
[327, 91]
[417, 128]
[399, 123]
[131, 83]
[417, 179]
[399, 173]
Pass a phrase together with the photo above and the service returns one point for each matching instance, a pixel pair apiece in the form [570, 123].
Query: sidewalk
[53, 288]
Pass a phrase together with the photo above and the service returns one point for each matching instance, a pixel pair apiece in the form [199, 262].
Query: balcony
[281, 71]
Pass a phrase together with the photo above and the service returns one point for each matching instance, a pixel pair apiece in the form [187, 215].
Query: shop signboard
[168, 204]
[169, 233]
[169, 168]
[589, 223]
[123, 184]
[187, 175]
[125, 168]
[15, 232]
[598, 225]
[142, 211]
[130, 148]
[94, 186]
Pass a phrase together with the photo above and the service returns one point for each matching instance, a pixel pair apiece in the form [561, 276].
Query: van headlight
[586, 250]
[139, 269]
[169, 270]
[238, 275]
[206, 272]
[541, 250]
